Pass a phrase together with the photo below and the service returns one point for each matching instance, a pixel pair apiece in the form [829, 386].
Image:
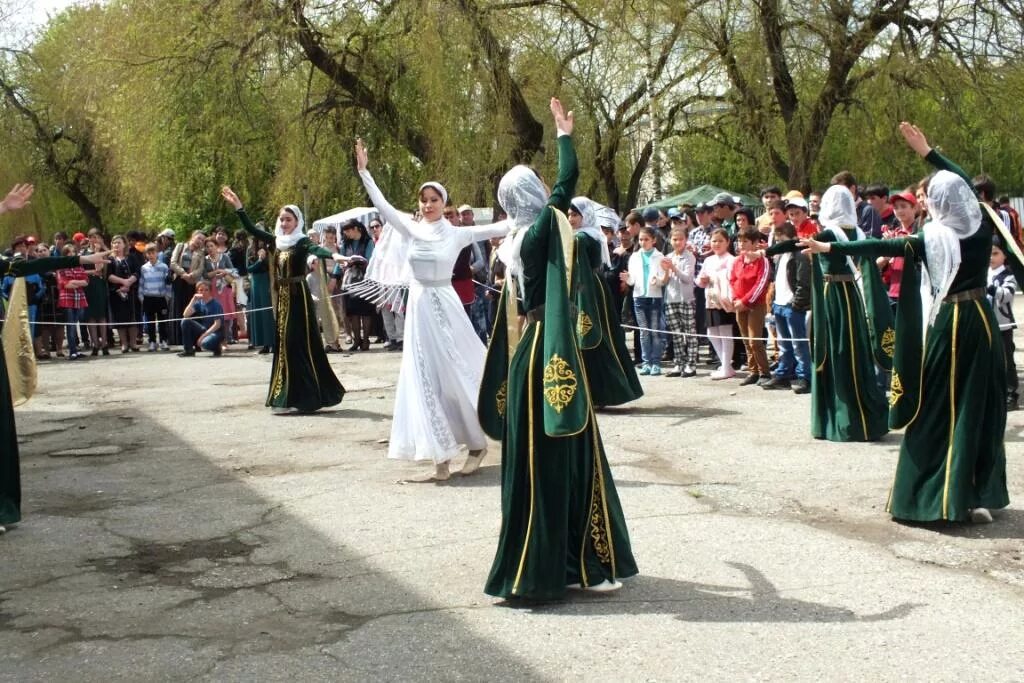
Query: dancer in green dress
[10, 468]
[302, 379]
[852, 331]
[562, 524]
[948, 381]
[610, 370]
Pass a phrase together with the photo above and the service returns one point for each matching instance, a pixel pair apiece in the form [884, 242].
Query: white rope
[710, 336]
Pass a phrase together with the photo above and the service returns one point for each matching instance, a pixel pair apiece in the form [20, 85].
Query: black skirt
[716, 317]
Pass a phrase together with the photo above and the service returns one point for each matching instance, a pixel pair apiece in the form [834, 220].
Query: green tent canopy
[702, 193]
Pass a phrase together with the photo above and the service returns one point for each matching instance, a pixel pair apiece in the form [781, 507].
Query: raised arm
[917, 141]
[485, 232]
[400, 221]
[568, 166]
[231, 198]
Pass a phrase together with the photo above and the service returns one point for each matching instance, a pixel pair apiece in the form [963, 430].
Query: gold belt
[838, 278]
[966, 295]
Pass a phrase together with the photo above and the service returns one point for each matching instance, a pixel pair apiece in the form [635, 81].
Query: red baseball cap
[78, 237]
[905, 196]
[31, 239]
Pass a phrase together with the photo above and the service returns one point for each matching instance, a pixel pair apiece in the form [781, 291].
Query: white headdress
[839, 213]
[523, 196]
[588, 212]
[955, 215]
[434, 185]
[289, 240]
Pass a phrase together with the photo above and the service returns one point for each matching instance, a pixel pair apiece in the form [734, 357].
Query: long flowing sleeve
[873, 247]
[252, 229]
[486, 232]
[23, 267]
[400, 221]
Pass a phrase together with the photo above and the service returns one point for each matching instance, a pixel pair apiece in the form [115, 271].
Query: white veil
[955, 215]
[523, 196]
[588, 211]
[288, 240]
[837, 212]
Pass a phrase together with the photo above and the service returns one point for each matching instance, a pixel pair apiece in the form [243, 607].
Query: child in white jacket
[647, 278]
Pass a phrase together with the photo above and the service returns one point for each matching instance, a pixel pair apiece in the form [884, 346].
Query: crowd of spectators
[688, 281]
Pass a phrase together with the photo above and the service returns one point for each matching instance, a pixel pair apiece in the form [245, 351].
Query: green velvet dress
[301, 377]
[562, 522]
[612, 375]
[851, 333]
[10, 469]
[948, 390]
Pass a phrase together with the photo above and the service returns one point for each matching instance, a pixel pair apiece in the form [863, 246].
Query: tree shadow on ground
[758, 602]
[170, 564]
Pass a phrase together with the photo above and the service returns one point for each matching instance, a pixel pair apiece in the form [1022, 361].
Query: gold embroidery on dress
[889, 341]
[501, 397]
[598, 525]
[896, 389]
[585, 324]
[283, 309]
[559, 383]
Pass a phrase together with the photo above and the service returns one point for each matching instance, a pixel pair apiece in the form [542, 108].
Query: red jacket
[749, 281]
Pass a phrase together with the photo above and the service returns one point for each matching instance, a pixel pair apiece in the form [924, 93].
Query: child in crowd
[646, 276]
[680, 316]
[1002, 285]
[791, 302]
[153, 280]
[71, 284]
[749, 278]
[714, 279]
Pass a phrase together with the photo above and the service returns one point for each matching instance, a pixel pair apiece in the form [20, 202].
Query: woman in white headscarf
[610, 370]
[561, 524]
[848, 321]
[435, 400]
[948, 380]
[301, 379]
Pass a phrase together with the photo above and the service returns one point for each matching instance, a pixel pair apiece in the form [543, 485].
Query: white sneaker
[152, 346]
[981, 516]
[605, 586]
[164, 346]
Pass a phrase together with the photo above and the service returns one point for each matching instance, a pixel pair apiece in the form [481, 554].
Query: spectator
[877, 195]
[21, 249]
[646, 276]
[79, 239]
[60, 238]
[49, 332]
[713, 278]
[261, 318]
[72, 283]
[699, 240]
[792, 300]
[813, 205]
[749, 278]
[622, 294]
[97, 295]
[357, 245]
[680, 268]
[165, 246]
[237, 252]
[634, 221]
[769, 194]
[187, 263]
[221, 274]
[1014, 225]
[123, 281]
[154, 277]
[744, 219]
[723, 209]
[202, 326]
[1002, 286]
[797, 210]
[904, 205]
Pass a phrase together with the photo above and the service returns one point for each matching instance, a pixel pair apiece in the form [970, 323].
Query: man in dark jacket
[790, 306]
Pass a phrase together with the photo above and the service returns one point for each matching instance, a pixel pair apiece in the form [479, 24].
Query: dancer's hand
[230, 197]
[915, 138]
[98, 258]
[362, 158]
[815, 247]
[17, 198]
[563, 121]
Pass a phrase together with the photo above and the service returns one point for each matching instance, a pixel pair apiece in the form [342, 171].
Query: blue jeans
[191, 330]
[794, 356]
[73, 316]
[648, 315]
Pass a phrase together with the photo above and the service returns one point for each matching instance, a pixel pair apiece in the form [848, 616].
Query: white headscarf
[434, 185]
[289, 240]
[838, 213]
[955, 215]
[523, 196]
[588, 212]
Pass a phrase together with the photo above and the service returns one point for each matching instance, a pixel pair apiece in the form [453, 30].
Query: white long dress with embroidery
[443, 359]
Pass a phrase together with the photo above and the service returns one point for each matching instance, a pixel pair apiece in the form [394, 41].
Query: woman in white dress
[435, 401]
